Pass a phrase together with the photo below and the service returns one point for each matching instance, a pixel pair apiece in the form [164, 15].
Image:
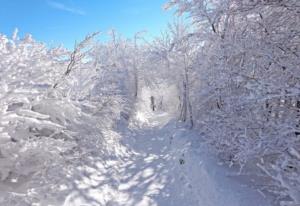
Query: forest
[224, 77]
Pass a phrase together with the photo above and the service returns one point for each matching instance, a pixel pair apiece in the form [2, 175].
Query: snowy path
[161, 165]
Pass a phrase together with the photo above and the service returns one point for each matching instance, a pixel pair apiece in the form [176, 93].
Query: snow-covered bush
[247, 100]
[55, 105]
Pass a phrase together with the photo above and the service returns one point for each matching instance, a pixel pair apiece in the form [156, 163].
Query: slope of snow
[157, 164]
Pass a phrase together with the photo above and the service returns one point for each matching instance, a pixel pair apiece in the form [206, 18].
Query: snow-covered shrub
[247, 100]
[54, 108]
[31, 141]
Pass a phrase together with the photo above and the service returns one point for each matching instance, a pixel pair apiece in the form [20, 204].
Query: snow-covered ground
[160, 163]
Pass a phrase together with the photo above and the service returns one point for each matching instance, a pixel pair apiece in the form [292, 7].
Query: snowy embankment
[160, 163]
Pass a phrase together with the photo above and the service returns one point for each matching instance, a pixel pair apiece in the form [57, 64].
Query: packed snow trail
[161, 164]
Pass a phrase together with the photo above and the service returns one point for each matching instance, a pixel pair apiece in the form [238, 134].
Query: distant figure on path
[152, 103]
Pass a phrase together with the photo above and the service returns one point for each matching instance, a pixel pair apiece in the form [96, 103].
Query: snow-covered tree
[248, 68]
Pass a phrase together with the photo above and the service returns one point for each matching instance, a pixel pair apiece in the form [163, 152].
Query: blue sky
[64, 21]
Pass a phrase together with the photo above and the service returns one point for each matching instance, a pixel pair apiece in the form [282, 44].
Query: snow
[107, 123]
[149, 172]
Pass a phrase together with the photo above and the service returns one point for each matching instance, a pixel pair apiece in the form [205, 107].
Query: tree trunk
[186, 103]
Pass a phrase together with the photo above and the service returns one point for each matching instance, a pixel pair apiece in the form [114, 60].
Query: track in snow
[162, 165]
